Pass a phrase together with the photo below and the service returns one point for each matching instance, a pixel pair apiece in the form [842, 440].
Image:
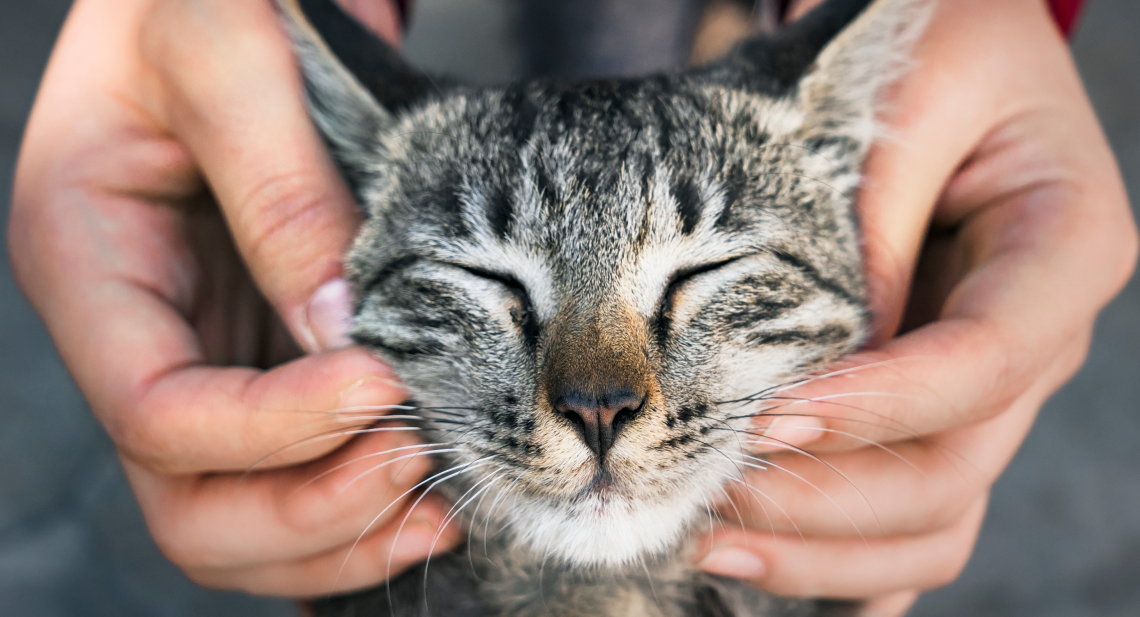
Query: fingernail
[788, 432]
[372, 393]
[734, 562]
[329, 316]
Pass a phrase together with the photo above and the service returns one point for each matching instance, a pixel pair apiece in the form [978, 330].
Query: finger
[120, 315]
[946, 125]
[375, 559]
[204, 418]
[1037, 207]
[893, 605]
[962, 369]
[845, 568]
[909, 488]
[240, 520]
[236, 99]
[114, 275]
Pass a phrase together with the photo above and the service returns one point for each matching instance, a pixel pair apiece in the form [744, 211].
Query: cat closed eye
[680, 277]
[508, 282]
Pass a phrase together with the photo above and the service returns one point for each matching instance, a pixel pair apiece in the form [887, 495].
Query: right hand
[171, 200]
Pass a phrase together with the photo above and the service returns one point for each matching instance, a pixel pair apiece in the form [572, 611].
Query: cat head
[574, 279]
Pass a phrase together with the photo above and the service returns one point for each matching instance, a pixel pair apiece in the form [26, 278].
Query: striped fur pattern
[677, 240]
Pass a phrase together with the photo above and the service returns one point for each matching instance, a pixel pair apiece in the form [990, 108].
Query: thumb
[235, 98]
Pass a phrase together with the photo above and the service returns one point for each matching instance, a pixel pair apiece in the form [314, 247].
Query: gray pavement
[1062, 538]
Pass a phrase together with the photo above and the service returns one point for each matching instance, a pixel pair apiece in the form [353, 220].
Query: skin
[1030, 236]
[167, 324]
[161, 297]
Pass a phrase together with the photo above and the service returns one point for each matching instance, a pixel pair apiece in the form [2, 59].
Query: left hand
[995, 148]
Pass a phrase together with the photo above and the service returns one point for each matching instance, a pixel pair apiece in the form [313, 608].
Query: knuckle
[947, 509]
[1130, 250]
[223, 579]
[209, 578]
[957, 545]
[267, 215]
[944, 575]
[186, 544]
[1112, 227]
[318, 508]
[18, 245]
[153, 434]
[952, 567]
[175, 542]
[349, 499]
[141, 435]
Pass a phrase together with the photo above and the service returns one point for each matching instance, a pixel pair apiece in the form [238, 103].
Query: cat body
[590, 288]
[506, 579]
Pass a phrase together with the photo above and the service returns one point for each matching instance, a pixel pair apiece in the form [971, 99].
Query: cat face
[576, 281]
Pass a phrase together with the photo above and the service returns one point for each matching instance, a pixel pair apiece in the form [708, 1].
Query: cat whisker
[649, 578]
[326, 435]
[356, 408]
[718, 451]
[757, 491]
[355, 417]
[475, 524]
[708, 510]
[827, 397]
[361, 458]
[948, 455]
[855, 369]
[738, 514]
[869, 442]
[471, 426]
[491, 511]
[541, 571]
[459, 505]
[783, 387]
[371, 470]
[787, 446]
[860, 438]
[854, 525]
[732, 502]
[792, 401]
[435, 480]
[478, 508]
[456, 509]
[437, 477]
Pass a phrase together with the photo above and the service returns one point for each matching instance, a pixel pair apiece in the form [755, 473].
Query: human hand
[992, 144]
[149, 110]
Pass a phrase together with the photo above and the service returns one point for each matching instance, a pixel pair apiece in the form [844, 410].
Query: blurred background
[1062, 537]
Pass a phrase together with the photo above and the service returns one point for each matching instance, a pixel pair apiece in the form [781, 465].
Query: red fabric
[1065, 12]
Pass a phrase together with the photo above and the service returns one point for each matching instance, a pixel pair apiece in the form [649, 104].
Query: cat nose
[599, 419]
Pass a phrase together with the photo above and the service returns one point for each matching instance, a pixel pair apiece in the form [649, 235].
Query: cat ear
[354, 81]
[836, 60]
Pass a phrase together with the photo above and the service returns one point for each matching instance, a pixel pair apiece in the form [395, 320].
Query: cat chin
[604, 531]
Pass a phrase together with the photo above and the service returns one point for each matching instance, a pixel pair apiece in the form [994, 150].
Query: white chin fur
[597, 531]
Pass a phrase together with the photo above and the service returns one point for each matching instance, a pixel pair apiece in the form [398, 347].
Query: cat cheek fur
[588, 287]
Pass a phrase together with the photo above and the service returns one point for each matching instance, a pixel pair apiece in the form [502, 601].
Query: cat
[588, 288]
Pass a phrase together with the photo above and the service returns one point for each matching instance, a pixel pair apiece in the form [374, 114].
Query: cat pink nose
[599, 419]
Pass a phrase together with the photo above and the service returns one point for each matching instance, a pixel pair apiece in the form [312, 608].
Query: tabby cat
[574, 280]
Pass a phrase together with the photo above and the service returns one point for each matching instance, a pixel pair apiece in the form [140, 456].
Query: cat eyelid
[684, 275]
[511, 283]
